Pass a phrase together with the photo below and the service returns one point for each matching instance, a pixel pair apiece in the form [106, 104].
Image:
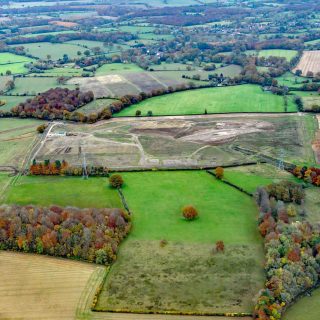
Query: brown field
[39, 287]
[316, 143]
[310, 61]
[65, 24]
[179, 142]
[116, 85]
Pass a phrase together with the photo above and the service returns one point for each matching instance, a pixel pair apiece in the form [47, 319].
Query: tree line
[84, 234]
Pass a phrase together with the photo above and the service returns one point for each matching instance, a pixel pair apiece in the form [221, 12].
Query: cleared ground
[181, 142]
[244, 98]
[310, 61]
[185, 275]
[39, 287]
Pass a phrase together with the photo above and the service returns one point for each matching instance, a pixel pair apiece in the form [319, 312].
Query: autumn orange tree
[116, 181]
[189, 212]
[219, 172]
[220, 246]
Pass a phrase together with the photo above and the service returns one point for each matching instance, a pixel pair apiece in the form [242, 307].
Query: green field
[250, 178]
[282, 53]
[64, 191]
[16, 138]
[96, 106]
[66, 71]
[14, 63]
[35, 85]
[117, 67]
[290, 80]
[185, 275]
[307, 308]
[244, 98]
[11, 101]
[309, 98]
[55, 50]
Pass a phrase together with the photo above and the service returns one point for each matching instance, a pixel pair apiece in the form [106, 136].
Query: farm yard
[309, 62]
[179, 276]
[244, 98]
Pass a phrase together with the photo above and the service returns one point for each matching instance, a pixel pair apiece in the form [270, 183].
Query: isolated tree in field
[219, 172]
[298, 73]
[116, 181]
[220, 246]
[149, 113]
[8, 72]
[138, 113]
[189, 212]
[86, 53]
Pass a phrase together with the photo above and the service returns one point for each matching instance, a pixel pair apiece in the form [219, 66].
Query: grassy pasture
[117, 67]
[290, 80]
[16, 138]
[11, 101]
[14, 63]
[244, 98]
[37, 287]
[309, 98]
[282, 53]
[66, 71]
[67, 191]
[185, 275]
[95, 106]
[307, 308]
[35, 85]
[55, 50]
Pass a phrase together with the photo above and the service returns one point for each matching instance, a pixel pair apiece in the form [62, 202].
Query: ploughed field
[310, 61]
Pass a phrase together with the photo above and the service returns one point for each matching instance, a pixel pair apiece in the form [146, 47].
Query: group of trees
[310, 175]
[292, 257]
[85, 234]
[286, 191]
[62, 168]
[52, 103]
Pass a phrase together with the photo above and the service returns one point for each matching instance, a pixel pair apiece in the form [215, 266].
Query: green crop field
[68, 191]
[117, 67]
[185, 275]
[10, 102]
[14, 63]
[35, 85]
[244, 98]
[282, 53]
[66, 71]
[306, 308]
[55, 50]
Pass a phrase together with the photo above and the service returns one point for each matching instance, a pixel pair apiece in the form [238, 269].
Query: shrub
[116, 181]
[219, 172]
[149, 113]
[189, 213]
[138, 113]
[220, 246]
[41, 128]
